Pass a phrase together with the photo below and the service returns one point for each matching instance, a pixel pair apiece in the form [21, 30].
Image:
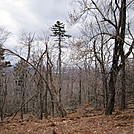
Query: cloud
[74, 30]
[32, 14]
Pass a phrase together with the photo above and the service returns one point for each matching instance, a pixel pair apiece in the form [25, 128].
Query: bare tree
[112, 16]
[4, 34]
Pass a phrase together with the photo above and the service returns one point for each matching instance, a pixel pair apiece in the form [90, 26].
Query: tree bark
[112, 81]
[111, 95]
[80, 85]
[59, 70]
[123, 79]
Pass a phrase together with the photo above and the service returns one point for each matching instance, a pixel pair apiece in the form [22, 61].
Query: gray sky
[33, 15]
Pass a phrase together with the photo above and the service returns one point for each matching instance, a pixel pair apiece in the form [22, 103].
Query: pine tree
[58, 30]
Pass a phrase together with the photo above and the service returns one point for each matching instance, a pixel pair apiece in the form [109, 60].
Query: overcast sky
[33, 15]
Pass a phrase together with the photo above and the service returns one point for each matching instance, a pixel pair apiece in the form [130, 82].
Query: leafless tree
[111, 16]
[4, 34]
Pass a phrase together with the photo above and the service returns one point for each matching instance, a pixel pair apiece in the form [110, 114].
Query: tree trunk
[111, 97]
[123, 89]
[80, 86]
[46, 93]
[112, 82]
[59, 70]
[122, 35]
[105, 89]
[22, 111]
[1, 114]
[41, 105]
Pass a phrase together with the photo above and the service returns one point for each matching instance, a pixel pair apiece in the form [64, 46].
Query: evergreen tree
[58, 30]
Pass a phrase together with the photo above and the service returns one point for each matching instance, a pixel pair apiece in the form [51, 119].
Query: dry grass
[76, 123]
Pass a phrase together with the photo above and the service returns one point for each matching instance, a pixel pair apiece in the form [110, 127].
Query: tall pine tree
[59, 32]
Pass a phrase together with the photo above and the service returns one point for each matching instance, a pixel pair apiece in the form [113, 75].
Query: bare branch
[104, 18]
[130, 3]
[130, 50]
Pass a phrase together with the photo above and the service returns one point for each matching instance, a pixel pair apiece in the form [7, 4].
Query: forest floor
[84, 121]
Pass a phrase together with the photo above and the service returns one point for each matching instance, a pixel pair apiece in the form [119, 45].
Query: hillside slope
[76, 123]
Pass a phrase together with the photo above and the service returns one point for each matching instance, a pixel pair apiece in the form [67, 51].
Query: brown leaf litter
[76, 123]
